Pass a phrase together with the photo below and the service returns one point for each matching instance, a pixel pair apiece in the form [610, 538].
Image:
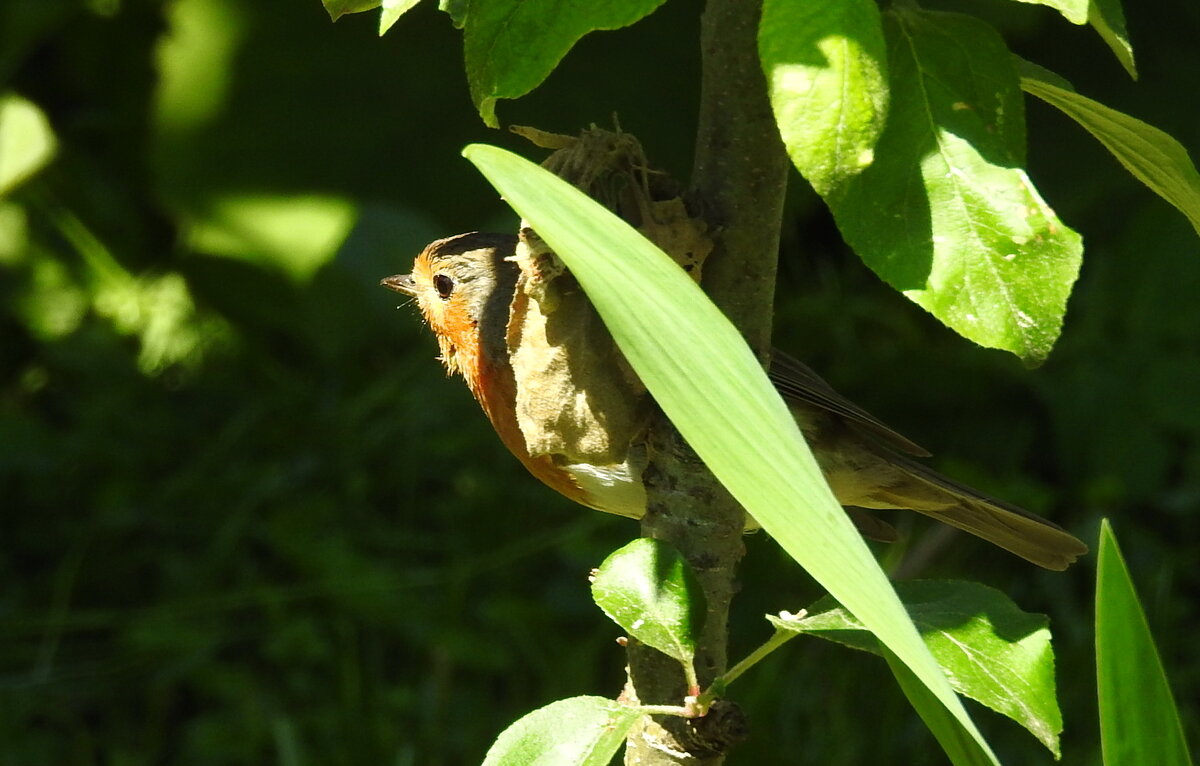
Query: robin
[464, 286]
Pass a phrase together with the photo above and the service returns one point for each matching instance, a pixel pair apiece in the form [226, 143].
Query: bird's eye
[444, 285]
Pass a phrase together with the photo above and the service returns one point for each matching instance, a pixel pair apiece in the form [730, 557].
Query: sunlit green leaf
[991, 651]
[708, 382]
[456, 10]
[955, 741]
[648, 588]
[580, 731]
[26, 141]
[392, 11]
[511, 46]
[1152, 156]
[1108, 19]
[945, 214]
[297, 235]
[1028, 69]
[338, 8]
[826, 67]
[1139, 723]
[1074, 11]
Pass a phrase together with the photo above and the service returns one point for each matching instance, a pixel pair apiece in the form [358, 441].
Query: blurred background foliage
[245, 519]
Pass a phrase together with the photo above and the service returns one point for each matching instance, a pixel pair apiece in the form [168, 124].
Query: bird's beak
[401, 283]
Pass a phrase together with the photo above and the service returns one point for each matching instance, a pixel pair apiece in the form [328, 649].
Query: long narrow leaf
[1139, 723]
[1152, 156]
[955, 741]
[707, 381]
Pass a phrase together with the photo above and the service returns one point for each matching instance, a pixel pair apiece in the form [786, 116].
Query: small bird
[464, 286]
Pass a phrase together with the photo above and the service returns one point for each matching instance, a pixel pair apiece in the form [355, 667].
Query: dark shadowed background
[245, 519]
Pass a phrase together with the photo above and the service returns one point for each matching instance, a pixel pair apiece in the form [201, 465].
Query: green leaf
[945, 214]
[580, 731]
[649, 589]
[991, 651]
[338, 8]
[1139, 723]
[297, 234]
[708, 382]
[955, 741]
[1108, 19]
[26, 141]
[456, 10]
[1152, 156]
[392, 11]
[1074, 11]
[511, 46]
[1028, 69]
[826, 67]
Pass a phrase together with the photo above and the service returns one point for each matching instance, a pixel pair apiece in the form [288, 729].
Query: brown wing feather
[796, 382]
[871, 526]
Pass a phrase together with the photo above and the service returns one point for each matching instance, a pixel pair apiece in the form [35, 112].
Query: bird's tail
[1016, 530]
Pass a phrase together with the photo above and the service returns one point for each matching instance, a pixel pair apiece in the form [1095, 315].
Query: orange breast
[495, 390]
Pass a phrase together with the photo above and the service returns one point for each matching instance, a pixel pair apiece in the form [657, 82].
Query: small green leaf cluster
[989, 649]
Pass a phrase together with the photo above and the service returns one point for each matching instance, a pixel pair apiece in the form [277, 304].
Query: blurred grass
[244, 518]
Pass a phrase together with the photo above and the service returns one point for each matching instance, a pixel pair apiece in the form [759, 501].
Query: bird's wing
[796, 382]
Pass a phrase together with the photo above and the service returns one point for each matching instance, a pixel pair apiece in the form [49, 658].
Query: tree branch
[740, 171]
[738, 185]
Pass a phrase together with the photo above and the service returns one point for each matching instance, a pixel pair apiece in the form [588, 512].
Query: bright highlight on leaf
[26, 141]
[1074, 11]
[392, 11]
[1108, 19]
[1139, 722]
[339, 8]
[826, 67]
[297, 234]
[700, 371]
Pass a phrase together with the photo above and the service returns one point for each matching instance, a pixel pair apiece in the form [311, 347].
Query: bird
[464, 286]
